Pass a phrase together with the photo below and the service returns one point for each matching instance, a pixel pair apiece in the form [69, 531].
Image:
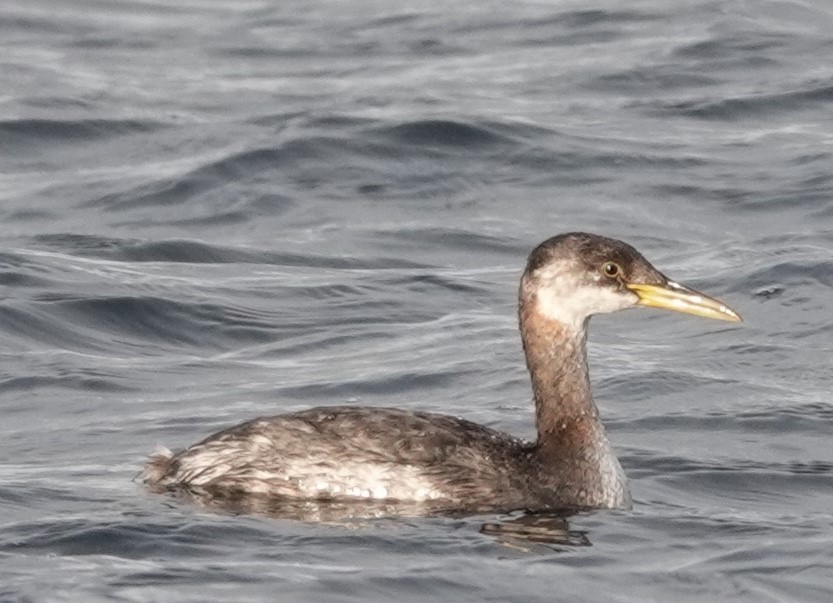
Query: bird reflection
[521, 531]
[529, 532]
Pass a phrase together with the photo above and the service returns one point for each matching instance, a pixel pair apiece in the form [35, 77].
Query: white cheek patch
[565, 299]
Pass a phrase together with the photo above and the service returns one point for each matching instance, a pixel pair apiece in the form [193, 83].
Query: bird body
[453, 465]
[327, 453]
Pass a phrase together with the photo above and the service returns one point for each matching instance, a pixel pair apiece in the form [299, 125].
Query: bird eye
[611, 269]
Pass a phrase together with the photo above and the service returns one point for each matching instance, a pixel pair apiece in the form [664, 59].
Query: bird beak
[673, 296]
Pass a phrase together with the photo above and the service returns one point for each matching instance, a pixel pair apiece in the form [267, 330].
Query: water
[214, 210]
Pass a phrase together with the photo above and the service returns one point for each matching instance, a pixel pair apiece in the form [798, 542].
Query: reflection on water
[526, 531]
[519, 530]
[342, 510]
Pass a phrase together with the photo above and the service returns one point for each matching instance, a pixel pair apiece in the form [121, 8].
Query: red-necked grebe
[351, 453]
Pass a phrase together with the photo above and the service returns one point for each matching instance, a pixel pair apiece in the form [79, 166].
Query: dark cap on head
[591, 252]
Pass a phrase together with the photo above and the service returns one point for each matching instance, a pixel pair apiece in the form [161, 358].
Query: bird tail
[157, 466]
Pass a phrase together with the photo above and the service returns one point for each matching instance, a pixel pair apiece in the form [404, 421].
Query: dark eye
[611, 269]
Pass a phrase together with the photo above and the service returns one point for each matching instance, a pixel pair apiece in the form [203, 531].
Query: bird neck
[557, 361]
[572, 445]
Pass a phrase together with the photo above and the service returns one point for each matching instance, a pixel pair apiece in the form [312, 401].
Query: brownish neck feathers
[557, 363]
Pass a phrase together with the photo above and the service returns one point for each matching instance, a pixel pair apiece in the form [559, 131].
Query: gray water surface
[214, 210]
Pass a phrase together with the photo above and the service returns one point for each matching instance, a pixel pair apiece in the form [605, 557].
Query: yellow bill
[673, 296]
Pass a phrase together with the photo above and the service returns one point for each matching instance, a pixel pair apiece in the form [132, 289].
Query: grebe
[354, 453]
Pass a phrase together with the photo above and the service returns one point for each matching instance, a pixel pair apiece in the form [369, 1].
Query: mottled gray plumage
[295, 453]
[443, 463]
